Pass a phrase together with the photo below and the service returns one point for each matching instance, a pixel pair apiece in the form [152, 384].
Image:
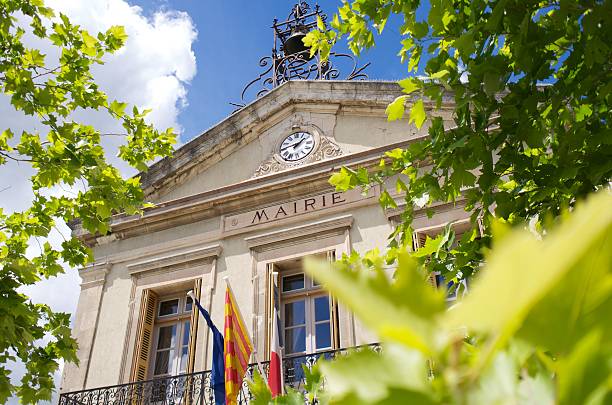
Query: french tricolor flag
[275, 377]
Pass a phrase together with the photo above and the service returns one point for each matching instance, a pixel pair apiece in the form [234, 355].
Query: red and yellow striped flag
[238, 348]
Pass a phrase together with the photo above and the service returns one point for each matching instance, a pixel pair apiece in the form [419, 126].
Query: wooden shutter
[418, 240]
[269, 309]
[481, 225]
[144, 336]
[193, 326]
[335, 324]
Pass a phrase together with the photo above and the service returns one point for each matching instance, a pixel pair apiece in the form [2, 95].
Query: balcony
[195, 388]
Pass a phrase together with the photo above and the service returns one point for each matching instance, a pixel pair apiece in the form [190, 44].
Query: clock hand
[294, 145]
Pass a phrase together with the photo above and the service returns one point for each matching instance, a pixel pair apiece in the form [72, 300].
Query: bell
[294, 44]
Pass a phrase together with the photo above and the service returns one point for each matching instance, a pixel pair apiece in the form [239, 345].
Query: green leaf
[501, 312]
[585, 373]
[259, 388]
[583, 112]
[498, 384]
[321, 24]
[417, 114]
[367, 377]
[314, 381]
[402, 311]
[396, 153]
[343, 180]
[432, 245]
[89, 44]
[465, 44]
[395, 110]
[386, 201]
[461, 178]
[420, 29]
[491, 83]
[409, 85]
[118, 32]
[440, 74]
[117, 108]
[496, 16]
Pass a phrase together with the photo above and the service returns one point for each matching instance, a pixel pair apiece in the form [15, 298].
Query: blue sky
[232, 37]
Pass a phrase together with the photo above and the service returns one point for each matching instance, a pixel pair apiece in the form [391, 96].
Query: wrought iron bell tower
[291, 60]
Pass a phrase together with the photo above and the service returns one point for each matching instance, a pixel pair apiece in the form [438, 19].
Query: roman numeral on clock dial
[296, 146]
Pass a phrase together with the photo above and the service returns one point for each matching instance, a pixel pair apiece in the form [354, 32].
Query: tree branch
[8, 156]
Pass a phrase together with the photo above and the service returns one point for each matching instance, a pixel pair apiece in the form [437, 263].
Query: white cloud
[153, 71]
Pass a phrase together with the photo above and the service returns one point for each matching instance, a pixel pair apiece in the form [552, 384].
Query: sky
[232, 37]
[185, 59]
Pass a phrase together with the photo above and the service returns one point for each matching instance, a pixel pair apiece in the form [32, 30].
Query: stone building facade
[248, 198]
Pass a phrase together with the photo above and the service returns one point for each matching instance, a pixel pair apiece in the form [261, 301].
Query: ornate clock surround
[324, 148]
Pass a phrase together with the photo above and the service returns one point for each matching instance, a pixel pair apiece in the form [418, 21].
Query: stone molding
[301, 231]
[175, 258]
[94, 274]
[393, 214]
[232, 131]
[245, 195]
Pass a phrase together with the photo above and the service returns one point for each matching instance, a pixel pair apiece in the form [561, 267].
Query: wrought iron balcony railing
[195, 388]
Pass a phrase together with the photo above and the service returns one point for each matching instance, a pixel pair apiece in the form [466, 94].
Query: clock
[297, 146]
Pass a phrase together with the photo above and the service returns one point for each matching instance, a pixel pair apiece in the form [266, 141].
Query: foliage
[535, 328]
[262, 395]
[529, 84]
[51, 88]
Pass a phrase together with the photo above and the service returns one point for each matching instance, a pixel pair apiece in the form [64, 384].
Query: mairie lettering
[297, 207]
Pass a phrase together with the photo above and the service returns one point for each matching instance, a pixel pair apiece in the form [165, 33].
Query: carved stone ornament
[324, 148]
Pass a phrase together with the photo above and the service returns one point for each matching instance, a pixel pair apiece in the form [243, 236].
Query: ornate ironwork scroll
[195, 388]
[291, 60]
[192, 388]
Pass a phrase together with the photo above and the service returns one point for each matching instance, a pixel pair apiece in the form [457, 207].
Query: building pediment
[263, 124]
[238, 165]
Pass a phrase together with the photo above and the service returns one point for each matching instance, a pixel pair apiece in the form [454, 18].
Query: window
[171, 336]
[306, 315]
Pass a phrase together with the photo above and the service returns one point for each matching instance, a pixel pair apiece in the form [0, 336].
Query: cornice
[301, 231]
[244, 196]
[175, 259]
[419, 212]
[94, 274]
[244, 125]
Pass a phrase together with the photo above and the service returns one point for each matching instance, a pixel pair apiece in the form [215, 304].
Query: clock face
[297, 146]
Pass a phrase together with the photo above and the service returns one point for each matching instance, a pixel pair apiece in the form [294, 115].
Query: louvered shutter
[335, 325]
[418, 240]
[193, 326]
[144, 336]
[269, 309]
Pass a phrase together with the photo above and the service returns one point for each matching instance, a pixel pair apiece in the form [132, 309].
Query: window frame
[180, 319]
[308, 294]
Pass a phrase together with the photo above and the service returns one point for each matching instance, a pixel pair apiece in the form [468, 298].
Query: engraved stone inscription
[292, 208]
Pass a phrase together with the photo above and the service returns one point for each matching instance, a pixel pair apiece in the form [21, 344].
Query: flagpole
[259, 365]
[218, 366]
[275, 286]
